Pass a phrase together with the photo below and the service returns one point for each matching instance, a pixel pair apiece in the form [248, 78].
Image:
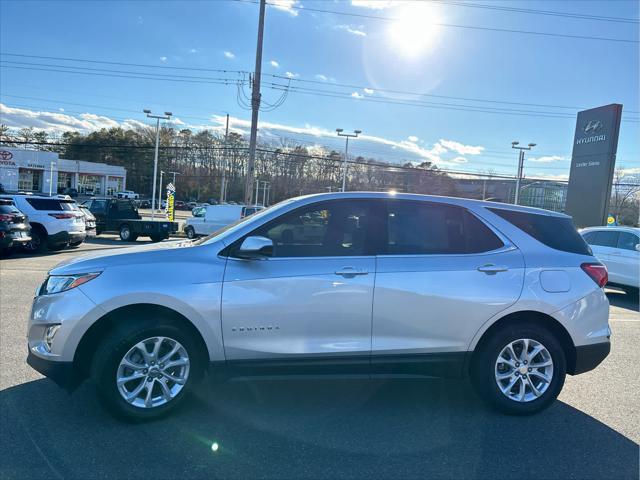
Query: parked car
[14, 227]
[121, 216]
[127, 194]
[619, 249]
[71, 192]
[206, 220]
[395, 285]
[55, 222]
[180, 205]
[144, 203]
[89, 221]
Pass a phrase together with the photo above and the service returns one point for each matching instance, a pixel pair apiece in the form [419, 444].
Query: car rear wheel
[519, 369]
[38, 242]
[157, 238]
[126, 235]
[190, 233]
[145, 371]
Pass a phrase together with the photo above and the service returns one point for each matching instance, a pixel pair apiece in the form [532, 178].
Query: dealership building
[43, 172]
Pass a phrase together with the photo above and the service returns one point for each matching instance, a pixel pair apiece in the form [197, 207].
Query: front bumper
[62, 373]
[589, 357]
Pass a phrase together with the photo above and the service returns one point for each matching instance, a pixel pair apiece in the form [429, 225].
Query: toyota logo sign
[5, 155]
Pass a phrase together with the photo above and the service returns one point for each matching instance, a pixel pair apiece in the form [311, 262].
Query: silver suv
[372, 284]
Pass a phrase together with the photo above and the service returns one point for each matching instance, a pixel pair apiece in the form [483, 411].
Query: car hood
[99, 260]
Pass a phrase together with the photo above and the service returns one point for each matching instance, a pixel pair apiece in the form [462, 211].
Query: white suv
[55, 222]
[368, 284]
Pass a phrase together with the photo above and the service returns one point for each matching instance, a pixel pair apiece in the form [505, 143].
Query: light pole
[346, 152]
[166, 116]
[515, 144]
[160, 190]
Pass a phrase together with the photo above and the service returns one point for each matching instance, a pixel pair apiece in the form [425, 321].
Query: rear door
[443, 275]
[602, 244]
[624, 259]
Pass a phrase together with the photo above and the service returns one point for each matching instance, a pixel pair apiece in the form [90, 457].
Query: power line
[467, 27]
[540, 12]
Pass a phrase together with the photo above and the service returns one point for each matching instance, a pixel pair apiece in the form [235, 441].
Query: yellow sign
[170, 209]
[611, 220]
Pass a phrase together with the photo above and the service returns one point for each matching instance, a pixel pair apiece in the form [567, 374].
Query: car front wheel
[147, 371]
[190, 233]
[520, 369]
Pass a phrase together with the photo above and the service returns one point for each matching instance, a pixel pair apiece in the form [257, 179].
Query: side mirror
[254, 248]
[637, 247]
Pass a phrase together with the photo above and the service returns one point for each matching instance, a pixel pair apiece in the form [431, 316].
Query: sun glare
[415, 32]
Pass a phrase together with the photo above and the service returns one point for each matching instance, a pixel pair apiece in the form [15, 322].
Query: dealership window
[90, 184]
[64, 181]
[30, 180]
[114, 185]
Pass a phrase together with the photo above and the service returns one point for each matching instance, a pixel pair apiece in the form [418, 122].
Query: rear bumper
[62, 373]
[589, 357]
[66, 237]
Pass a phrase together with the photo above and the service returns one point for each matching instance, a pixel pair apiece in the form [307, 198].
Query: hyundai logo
[592, 126]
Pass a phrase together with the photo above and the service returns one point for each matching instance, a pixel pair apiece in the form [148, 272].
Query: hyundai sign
[592, 165]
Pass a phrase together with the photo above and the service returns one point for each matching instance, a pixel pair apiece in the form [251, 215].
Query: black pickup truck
[121, 215]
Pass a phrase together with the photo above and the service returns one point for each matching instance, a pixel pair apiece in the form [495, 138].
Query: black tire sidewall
[123, 229]
[110, 353]
[483, 369]
[42, 246]
[190, 232]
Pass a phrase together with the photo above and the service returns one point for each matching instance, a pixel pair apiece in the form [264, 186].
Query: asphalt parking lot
[314, 429]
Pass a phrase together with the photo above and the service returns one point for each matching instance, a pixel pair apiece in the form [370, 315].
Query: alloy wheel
[524, 370]
[153, 372]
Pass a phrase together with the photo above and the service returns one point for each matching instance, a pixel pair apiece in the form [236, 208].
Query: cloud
[229, 54]
[274, 64]
[357, 30]
[321, 77]
[292, 75]
[368, 91]
[459, 160]
[163, 59]
[459, 148]
[193, 50]
[61, 109]
[288, 6]
[357, 95]
[547, 159]
[374, 4]
[412, 138]
[140, 20]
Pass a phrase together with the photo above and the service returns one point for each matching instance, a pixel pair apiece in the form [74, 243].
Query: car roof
[463, 202]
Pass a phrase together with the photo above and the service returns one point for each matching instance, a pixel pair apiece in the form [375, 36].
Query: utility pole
[255, 108]
[51, 178]
[174, 177]
[515, 144]
[264, 193]
[257, 192]
[346, 152]
[166, 116]
[224, 163]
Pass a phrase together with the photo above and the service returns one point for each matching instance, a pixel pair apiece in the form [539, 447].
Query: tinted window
[589, 236]
[554, 232]
[605, 239]
[418, 228]
[8, 208]
[98, 206]
[321, 230]
[48, 204]
[627, 241]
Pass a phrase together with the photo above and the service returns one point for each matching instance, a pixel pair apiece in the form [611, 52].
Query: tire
[190, 233]
[121, 343]
[125, 233]
[485, 368]
[38, 242]
[157, 238]
[75, 244]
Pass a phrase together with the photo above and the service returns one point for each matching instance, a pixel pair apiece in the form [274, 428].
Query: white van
[128, 194]
[210, 218]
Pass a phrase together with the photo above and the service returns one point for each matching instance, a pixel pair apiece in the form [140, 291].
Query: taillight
[62, 216]
[6, 217]
[597, 272]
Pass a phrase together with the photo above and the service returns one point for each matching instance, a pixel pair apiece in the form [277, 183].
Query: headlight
[62, 283]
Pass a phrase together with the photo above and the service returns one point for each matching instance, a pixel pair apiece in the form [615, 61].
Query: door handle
[351, 271]
[490, 269]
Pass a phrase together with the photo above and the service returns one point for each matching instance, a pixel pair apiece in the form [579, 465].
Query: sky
[439, 80]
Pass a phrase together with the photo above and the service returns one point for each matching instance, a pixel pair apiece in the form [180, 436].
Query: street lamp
[166, 116]
[346, 152]
[514, 145]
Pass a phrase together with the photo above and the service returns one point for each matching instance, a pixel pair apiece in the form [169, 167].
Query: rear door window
[627, 241]
[423, 228]
[605, 239]
[555, 232]
[51, 204]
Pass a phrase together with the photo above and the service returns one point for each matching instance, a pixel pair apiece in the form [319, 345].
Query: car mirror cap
[255, 247]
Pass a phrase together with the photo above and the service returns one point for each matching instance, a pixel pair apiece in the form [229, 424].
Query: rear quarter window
[51, 204]
[558, 233]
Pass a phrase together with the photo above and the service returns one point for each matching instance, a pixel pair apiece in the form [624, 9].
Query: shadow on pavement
[307, 429]
[618, 298]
